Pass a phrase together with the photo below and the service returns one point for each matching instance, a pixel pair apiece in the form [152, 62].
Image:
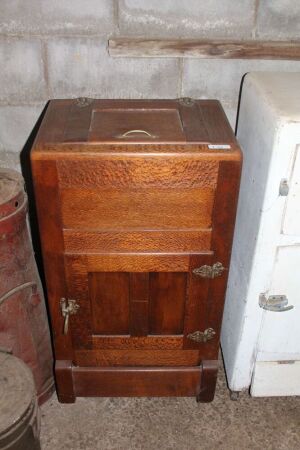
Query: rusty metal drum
[19, 411]
[24, 329]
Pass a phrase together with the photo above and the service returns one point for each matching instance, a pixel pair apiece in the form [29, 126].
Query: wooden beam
[168, 48]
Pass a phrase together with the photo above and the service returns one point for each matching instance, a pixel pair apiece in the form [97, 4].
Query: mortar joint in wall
[180, 77]
[116, 15]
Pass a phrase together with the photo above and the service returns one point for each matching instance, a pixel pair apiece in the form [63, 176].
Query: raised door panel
[109, 296]
[129, 209]
[168, 291]
[138, 309]
[135, 125]
[138, 194]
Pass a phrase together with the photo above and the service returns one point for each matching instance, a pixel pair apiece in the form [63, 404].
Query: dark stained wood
[56, 116]
[191, 124]
[84, 241]
[215, 122]
[134, 124]
[109, 294]
[64, 381]
[124, 222]
[167, 302]
[138, 342]
[56, 136]
[79, 151]
[112, 358]
[208, 381]
[158, 209]
[139, 304]
[196, 316]
[223, 227]
[48, 208]
[137, 382]
[141, 47]
[78, 123]
[139, 172]
[139, 318]
[77, 280]
[137, 262]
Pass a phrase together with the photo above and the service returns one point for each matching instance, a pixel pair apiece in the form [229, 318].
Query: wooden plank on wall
[133, 47]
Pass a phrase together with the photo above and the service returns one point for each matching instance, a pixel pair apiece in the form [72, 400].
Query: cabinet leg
[64, 382]
[234, 395]
[208, 381]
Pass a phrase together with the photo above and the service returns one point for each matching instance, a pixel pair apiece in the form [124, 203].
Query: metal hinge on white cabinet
[276, 303]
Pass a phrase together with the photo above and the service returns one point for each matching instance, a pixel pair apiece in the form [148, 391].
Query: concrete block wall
[58, 49]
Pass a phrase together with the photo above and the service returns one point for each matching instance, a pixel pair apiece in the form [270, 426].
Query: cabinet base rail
[73, 381]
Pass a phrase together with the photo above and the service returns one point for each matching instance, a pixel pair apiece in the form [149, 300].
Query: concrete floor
[173, 423]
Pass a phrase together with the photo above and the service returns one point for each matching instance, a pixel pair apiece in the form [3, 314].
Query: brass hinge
[82, 102]
[186, 101]
[202, 336]
[68, 308]
[213, 271]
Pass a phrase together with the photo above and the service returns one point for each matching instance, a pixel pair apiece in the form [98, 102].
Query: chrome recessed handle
[275, 303]
[128, 133]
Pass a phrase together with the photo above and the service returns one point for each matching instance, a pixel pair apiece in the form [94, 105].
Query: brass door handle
[136, 132]
[68, 307]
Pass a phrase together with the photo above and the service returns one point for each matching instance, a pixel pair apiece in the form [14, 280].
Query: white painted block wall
[58, 49]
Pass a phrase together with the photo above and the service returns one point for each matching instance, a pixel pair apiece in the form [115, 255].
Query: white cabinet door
[291, 224]
[277, 367]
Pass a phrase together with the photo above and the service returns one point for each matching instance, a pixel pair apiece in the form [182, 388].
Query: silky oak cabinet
[136, 203]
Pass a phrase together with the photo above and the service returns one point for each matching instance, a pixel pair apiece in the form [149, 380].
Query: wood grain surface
[192, 48]
[124, 222]
[136, 209]
[112, 358]
[64, 132]
[137, 382]
[167, 293]
[84, 241]
[138, 173]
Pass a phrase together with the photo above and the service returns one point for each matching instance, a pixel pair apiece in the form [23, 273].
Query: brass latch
[202, 336]
[213, 271]
[68, 307]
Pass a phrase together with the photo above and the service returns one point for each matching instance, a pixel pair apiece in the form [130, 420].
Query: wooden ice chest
[136, 203]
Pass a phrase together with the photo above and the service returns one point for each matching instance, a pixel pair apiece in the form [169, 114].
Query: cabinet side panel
[48, 208]
[223, 226]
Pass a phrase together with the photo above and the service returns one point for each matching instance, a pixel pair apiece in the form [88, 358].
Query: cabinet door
[138, 309]
[277, 366]
[291, 222]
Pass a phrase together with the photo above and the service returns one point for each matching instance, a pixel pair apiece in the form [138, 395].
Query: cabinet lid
[131, 122]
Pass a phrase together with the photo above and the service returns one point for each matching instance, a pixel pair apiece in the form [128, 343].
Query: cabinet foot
[208, 381]
[234, 395]
[64, 382]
